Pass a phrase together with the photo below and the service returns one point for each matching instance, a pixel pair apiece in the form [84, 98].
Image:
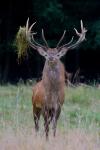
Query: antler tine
[61, 39]
[27, 24]
[44, 39]
[71, 45]
[30, 37]
[30, 28]
[67, 43]
[77, 32]
[28, 34]
[35, 41]
[81, 35]
[82, 28]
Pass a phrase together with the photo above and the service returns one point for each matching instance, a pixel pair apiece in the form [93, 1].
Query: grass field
[78, 126]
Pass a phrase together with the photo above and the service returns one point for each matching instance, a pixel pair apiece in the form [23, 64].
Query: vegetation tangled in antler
[21, 43]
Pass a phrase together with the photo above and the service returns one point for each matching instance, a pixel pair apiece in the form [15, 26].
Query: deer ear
[42, 52]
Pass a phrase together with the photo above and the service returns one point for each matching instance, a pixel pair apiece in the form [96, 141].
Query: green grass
[81, 107]
[15, 106]
[79, 123]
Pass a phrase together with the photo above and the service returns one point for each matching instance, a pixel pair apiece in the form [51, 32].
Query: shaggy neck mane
[53, 76]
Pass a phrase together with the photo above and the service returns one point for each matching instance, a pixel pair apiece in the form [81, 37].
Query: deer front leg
[36, 115]
[55, 119]
[46, 122]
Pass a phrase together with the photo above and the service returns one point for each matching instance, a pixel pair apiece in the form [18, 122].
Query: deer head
[53, 54]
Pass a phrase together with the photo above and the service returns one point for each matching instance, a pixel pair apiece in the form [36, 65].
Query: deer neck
[52, 76]
[52, 71]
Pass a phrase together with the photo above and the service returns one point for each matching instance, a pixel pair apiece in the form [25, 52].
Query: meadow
[78, 126]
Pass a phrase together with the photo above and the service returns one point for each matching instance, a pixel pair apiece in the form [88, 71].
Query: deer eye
[58, 55]
[46, 55]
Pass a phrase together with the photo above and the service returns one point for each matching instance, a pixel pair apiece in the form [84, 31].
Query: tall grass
[82, 106]
[79, 123]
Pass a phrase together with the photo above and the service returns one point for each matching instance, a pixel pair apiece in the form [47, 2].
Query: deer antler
[30, 36]
[63, 49]
[61, 39]
[44, 39]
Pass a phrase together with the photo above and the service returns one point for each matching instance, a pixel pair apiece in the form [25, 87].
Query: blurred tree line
[53, 16]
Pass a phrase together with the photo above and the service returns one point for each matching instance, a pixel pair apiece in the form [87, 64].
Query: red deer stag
[48, 94]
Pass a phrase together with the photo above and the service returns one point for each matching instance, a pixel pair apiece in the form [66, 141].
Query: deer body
[48, 94]
[38, 95]
[38, 102]
[54, 82]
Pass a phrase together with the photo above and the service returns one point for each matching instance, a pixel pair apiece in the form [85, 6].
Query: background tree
[53, 16]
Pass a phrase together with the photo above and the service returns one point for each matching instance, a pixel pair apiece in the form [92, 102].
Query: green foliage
[95, 29]
[50, 14]
[49, 9]
[53, 11]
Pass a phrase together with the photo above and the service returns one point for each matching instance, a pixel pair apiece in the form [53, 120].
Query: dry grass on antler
[21, 43]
